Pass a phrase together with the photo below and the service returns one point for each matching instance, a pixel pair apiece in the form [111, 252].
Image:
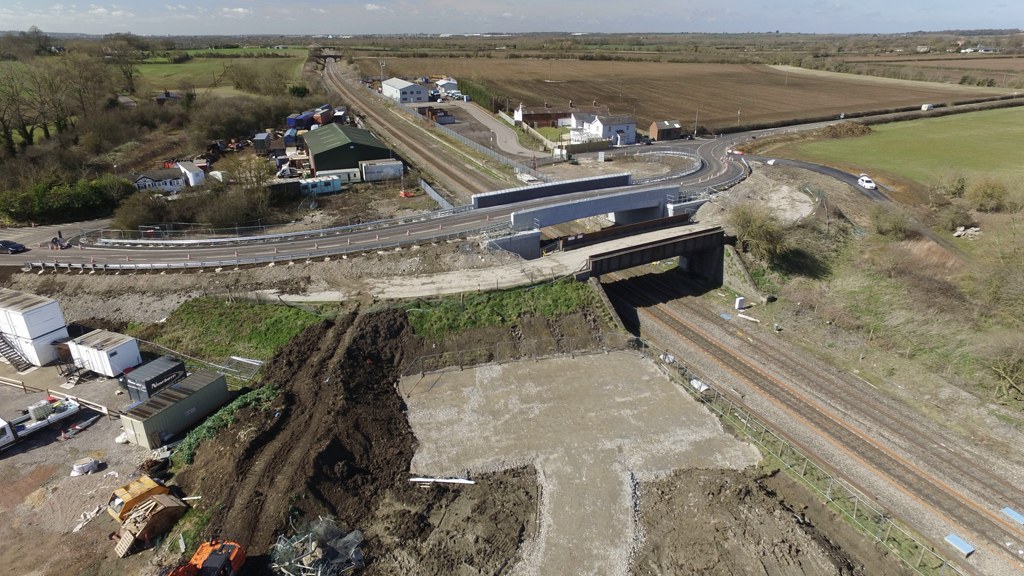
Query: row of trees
[48, 95]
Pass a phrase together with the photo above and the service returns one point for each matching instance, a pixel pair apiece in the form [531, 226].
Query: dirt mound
[337, 442]
[843, 130]
[722, 522]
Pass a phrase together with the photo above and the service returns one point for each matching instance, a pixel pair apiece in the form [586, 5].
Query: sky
[344, 17]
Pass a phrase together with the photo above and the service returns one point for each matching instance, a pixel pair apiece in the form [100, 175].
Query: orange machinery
[214, 557]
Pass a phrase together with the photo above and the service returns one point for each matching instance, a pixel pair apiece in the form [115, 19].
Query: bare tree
[14, 82]
[88, 82]
[251, 175]
[758, 231]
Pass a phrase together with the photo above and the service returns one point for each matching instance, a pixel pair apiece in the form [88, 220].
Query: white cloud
[375, 8]
[236, 12]
[319, 10]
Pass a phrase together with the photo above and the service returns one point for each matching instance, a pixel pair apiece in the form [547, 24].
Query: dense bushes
[56, 201]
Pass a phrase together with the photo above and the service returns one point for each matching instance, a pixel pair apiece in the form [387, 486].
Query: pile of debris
[971, 233]
[318, 548]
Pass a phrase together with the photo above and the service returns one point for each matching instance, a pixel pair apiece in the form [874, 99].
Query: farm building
[175, 409]
[194, 176]
[447, 85]
[403, 91]
[29, 325]
[168, 180]
[666, 130]
[552, 116]
[336, 147]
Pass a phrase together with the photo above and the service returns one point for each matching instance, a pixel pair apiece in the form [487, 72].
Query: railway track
[968, 512]
[421, 146]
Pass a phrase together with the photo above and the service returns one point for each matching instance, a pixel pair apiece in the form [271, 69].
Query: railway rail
[421, 145]
[965, 511]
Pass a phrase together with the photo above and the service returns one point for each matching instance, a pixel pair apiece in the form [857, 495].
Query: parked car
[11, 247]
[865, 182]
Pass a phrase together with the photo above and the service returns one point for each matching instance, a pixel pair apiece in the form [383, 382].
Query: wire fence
[860, 511]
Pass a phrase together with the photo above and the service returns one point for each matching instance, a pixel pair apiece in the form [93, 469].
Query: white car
[865, 182]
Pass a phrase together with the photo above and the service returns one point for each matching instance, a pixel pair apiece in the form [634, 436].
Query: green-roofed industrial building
[337, 147]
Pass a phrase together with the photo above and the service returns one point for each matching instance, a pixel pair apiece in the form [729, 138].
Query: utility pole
[382, 65]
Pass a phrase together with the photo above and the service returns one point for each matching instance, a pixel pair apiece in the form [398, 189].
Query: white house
[579, 119]
[447, 85]
[193, 174]
[620, 129]
[168, 180]
[402, 91]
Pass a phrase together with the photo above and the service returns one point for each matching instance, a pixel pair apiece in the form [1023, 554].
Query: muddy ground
[337, 441]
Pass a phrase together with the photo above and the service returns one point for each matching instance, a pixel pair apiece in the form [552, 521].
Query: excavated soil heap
[336, 441]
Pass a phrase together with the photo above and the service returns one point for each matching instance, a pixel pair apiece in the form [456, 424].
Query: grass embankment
[212, 328]
[924, 313]
[928, 150]
[434, 320]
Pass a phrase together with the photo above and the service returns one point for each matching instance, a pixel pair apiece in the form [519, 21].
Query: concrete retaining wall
[525, 193]
[651, 199]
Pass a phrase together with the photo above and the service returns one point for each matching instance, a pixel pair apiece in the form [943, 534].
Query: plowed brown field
[717, 96]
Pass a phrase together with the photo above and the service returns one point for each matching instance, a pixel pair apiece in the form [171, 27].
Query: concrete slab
[593, 426]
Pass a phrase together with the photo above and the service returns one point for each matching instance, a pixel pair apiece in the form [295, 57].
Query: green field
[973, 145]
[203, 72]
[293, 52]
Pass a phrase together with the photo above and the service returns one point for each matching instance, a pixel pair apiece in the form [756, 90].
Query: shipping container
[292, 121]
[175, 409]
[149, 378]
[291, 137]
[261, 142]
[304, 120]
[29, 316]
[375, 170]
[324, 116]
[106, 353]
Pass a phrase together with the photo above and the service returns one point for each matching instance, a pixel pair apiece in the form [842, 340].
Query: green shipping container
[175, 409]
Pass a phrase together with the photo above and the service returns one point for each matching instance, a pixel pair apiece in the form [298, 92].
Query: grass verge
[434, 320]
[212, 328]
[260, 398]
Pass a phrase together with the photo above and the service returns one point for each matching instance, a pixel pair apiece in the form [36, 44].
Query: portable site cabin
[175, 409]
[291, 137]
[320, 185]
[106, 353]
[31, 324]
[347, 175]
[374, 170]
